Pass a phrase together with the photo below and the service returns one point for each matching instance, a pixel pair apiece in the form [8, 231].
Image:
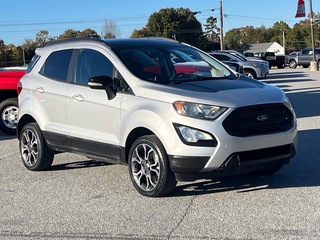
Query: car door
[50, 93]
[94, 120]
[305, 57]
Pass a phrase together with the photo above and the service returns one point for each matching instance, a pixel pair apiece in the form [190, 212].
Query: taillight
[19, 87]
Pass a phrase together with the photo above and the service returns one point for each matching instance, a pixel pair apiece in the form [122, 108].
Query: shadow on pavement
[4, 137]
[77, 165]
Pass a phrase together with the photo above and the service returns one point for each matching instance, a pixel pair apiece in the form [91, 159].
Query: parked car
[274, 60]
[125, 101]
[9, 99]
[235, 66]
[303, 58]
[245, 58]
[253, 69]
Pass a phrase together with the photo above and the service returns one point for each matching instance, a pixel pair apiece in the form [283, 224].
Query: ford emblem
[263, 117]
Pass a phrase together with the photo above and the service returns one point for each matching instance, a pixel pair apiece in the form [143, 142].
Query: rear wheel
[9, 116]
[280, 66]
[149, 167]
[35, 154]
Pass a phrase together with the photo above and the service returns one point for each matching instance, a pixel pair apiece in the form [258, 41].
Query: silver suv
[254, 68]
[166, 109]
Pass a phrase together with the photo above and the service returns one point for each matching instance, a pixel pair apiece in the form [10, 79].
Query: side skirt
[101, 151]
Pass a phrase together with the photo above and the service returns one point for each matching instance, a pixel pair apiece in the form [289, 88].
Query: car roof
[120, 43]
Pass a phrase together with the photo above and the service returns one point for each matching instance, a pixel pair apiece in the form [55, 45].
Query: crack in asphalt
[183, 217]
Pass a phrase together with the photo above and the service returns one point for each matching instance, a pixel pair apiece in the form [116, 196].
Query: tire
[305, 66]
[280, 66]
[292, 64]
[35, 154]
[9, 116]
[250, 73]
[267, 171]
[318, 64]
[149, 168]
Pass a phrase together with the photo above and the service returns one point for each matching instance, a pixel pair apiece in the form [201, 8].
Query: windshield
[172, 64]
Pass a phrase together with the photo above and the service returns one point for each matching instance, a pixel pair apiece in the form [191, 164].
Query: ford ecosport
[166, 109]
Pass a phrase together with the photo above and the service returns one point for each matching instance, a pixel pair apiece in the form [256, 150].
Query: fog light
[196, 137]
[193, 135]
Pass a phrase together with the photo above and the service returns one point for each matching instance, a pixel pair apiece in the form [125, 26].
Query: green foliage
[70, 33]
[295, 38]
[211, 30]
[179, 24]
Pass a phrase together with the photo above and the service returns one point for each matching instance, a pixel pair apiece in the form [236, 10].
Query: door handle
[39, 89]
[78, 97]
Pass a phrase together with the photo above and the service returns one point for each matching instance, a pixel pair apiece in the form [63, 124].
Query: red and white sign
[301, 9]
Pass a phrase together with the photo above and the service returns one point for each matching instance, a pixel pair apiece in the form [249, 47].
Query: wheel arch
[251, 70]
[132, 136]
[25, 119]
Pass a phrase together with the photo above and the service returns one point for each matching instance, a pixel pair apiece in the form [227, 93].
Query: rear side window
[221, 57]
[57, 65]
[32, 63]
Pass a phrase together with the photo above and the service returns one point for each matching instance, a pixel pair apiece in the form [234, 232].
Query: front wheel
[250, 73]
[35, 154]
[292, 64]
[149, 167]
[9, 116]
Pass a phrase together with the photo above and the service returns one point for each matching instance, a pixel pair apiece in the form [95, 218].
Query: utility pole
[221, 28]
[313, 64]
[284, 42]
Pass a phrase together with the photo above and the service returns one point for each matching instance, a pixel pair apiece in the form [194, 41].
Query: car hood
[223, 92]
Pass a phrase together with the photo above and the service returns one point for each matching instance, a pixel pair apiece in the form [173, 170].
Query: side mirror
[104, 83]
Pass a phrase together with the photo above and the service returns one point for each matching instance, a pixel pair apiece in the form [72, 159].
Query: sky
[20, 20]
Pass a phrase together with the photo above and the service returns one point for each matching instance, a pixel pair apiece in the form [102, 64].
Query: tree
[110, 29]
[179, 24]
[42, 37]
[71, 33]
[233, 39]
[211, 30]
[143, 32]
[89, 33]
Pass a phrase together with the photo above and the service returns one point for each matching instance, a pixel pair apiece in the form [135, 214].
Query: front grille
[258, 119]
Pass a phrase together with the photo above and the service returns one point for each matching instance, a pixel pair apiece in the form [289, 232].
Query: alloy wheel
[9, 117]
[29, 148]
[145, 167]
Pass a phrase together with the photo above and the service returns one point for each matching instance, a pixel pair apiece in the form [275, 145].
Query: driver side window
[90, 64]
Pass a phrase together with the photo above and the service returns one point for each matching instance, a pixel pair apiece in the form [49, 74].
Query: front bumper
[189, 168]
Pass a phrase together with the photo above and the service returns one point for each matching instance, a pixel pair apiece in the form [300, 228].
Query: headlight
[288, 103]
[259, 65]
[197, 110]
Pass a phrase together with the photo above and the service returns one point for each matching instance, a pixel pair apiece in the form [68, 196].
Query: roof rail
[75, 39]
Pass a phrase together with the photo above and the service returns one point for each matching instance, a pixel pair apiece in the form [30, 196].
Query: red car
[9, 99]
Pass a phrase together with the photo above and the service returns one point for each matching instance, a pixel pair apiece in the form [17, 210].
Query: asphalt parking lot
[82, 199]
